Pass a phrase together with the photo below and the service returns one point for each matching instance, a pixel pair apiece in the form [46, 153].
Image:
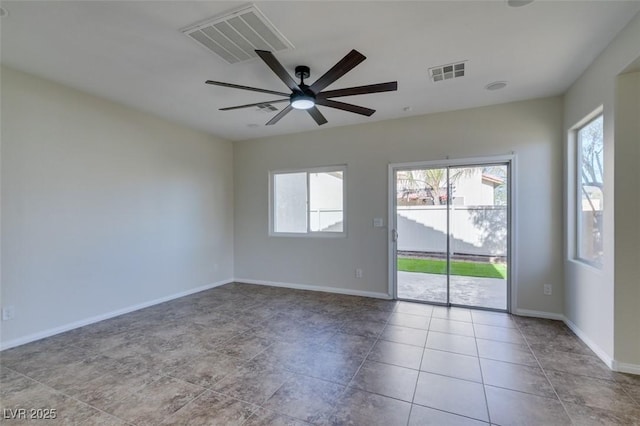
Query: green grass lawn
[469, 269]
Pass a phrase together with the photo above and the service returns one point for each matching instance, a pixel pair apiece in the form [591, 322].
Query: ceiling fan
[307, 97]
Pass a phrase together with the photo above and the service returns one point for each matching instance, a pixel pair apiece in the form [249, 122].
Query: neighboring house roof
[495, 180]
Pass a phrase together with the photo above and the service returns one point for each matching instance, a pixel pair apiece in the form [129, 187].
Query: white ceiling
[133, 52]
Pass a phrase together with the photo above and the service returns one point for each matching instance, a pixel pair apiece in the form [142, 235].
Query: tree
[591, 156]
[592, 153]
[500, 191]
[433, 181]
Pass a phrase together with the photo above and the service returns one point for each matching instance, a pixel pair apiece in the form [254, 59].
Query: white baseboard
[624, 367]
[600, 353]
[614, 365]
[338, 290]
[539, 314]
[77, 324]
[610, 362]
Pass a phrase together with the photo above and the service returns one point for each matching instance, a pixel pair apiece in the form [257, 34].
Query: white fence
[325, 219]
[475, 230]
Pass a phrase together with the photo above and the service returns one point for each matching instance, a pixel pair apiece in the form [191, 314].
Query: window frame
[577, 188]
[309, 233]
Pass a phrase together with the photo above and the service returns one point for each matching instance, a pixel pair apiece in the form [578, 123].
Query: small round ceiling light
[519, 3]
[3, 12]
[496, 85]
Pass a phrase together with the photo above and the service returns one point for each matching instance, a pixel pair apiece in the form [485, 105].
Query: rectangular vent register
[447, 72]
[236, 35]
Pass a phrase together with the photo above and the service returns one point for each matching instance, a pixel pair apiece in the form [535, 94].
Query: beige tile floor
[253, 355]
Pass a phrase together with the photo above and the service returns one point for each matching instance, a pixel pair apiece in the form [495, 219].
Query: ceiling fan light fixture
[302, 101]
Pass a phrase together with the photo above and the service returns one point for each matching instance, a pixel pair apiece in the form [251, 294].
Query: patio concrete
[471, 291]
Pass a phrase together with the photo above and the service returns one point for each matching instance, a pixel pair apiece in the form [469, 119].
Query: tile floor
[253, 355]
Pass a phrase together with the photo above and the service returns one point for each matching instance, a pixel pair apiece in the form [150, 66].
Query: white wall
[104, 207]
[479, 230]
[533, 129]
[470, 188]
[592, 304]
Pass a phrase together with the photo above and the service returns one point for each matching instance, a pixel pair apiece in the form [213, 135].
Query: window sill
[585, 264]
[319, 235]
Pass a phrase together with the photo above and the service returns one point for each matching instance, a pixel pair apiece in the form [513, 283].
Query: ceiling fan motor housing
[302, 72]
[304, 98]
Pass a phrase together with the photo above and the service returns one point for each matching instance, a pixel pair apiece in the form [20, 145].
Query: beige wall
[531, 129]
[591, 305]
[104, 207]
[627, 220]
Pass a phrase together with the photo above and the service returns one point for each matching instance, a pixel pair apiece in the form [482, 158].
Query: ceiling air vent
[447, 72]
[266, 108]
[236, 35]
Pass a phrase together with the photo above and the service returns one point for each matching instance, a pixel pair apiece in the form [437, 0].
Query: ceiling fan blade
[345, 107]
[277, 68]
[360, 90]
[279, 115]
[346, 64]
[317, 115]
[253, 89]
[255, 104]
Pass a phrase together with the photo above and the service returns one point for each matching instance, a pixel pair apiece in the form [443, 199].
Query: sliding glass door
[451, 234]
[422, 224]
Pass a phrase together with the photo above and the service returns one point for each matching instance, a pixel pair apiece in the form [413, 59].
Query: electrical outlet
[547, 289]
[8, 312]
[358, 273]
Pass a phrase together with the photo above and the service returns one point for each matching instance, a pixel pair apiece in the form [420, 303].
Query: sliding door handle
[394, 235]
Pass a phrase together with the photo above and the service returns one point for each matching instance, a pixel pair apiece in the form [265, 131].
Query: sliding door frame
[510, 160]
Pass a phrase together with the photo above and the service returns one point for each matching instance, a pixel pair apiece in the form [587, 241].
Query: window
[308, 202]
[589, 191]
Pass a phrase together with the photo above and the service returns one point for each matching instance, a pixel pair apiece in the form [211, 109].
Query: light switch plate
[378, 222]
[8, 313]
